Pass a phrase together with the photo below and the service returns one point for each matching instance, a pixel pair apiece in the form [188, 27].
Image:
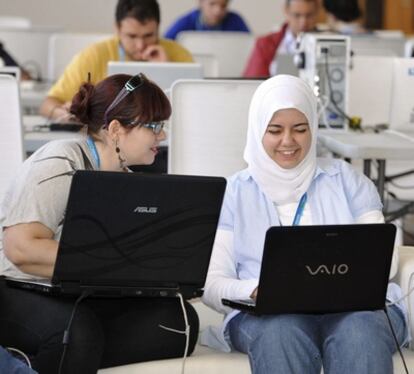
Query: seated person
[137, 23]
[344, 16]
[300, 17]
[282, 167]
[124, 127]
[212, 15]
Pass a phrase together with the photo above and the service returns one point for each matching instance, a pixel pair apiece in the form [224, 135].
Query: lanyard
[299, 210]
[94, 151]
[121, 52]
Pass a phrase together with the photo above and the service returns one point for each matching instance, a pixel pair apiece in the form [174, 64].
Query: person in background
[123, 116]
[300, 17]
[285, 184]
[137, 28]
[211, 15]
[344, 16]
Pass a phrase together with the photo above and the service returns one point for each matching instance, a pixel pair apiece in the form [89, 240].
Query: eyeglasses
[132, 84]
[156, 127]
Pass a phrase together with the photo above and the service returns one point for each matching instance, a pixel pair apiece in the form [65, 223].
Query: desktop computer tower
[324, 65]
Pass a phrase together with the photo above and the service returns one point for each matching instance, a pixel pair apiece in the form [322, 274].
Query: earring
[121, 160]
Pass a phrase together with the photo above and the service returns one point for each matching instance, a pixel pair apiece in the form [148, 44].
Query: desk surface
[382, 146]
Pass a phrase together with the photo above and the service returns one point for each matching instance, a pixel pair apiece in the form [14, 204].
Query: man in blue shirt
[212, 15]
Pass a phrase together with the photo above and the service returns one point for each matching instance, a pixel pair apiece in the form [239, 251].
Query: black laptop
[128, 234]
[323, 269]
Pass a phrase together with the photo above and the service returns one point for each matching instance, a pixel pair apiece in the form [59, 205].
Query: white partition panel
[64, 46]
[29, 47]
[209, 126]
[11, 137]
[232, 49]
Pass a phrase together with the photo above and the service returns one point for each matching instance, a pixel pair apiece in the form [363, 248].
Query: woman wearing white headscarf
[283, 174]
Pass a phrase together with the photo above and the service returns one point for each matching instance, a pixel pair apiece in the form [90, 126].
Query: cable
[401, 187]
[186, 331]
[10, 349]
[331, 96]
[396, 340]
[66, 333]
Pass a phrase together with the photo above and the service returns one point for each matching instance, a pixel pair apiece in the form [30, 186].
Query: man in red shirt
[300, 17]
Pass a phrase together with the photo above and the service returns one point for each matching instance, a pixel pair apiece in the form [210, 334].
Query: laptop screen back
[126, 229]
[322, 269]
[164, 74]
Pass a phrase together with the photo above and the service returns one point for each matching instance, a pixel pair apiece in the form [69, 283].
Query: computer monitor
[162, 73]
[402, 104]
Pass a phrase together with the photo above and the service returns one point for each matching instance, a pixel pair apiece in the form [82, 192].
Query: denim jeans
[11, 365]
[354, 343]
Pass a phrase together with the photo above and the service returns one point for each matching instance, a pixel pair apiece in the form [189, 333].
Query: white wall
[98, 15]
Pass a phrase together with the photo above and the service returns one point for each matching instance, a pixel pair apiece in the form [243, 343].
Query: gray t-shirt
[40, 190]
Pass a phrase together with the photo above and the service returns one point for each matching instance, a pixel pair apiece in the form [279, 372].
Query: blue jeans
[355, 343]
[11, 365]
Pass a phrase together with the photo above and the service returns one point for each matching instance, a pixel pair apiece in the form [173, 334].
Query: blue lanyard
[299, 210]
[121, 52]
[94, 151]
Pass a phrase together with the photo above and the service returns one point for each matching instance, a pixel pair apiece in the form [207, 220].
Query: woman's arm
[222, 280]
[31, 248]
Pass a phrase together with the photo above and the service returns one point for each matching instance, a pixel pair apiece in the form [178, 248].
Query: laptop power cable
[396, 341]
[186, 331]
[66, 333]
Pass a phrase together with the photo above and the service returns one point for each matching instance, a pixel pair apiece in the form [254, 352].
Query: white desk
[370, 146]
[33, 140]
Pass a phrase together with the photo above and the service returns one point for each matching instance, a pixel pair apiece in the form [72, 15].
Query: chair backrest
[29, 48]
[209, 126]
[11, 134]
[209, 62]
[368, 96]
[232, 49]
[64, 46]
[402, 93]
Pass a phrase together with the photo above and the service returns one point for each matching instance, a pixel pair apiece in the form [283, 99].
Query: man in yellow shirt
[137, 23]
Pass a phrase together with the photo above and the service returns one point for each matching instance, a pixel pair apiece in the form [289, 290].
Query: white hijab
[282, 186]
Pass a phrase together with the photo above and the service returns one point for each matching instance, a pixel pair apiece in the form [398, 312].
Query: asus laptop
[323, 269]
[128, 234]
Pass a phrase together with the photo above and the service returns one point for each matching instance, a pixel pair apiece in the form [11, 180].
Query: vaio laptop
[323, 269]
[128, 234]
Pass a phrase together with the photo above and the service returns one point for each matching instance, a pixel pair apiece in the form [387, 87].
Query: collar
[324, 166]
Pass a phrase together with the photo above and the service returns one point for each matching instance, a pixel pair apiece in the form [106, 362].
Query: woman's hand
[31, 248]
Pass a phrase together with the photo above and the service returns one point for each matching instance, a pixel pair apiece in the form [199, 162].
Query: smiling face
[287, 139]
[135, 36]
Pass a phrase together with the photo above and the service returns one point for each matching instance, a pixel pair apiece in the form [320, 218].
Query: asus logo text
[146, 209]
[328, 269]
